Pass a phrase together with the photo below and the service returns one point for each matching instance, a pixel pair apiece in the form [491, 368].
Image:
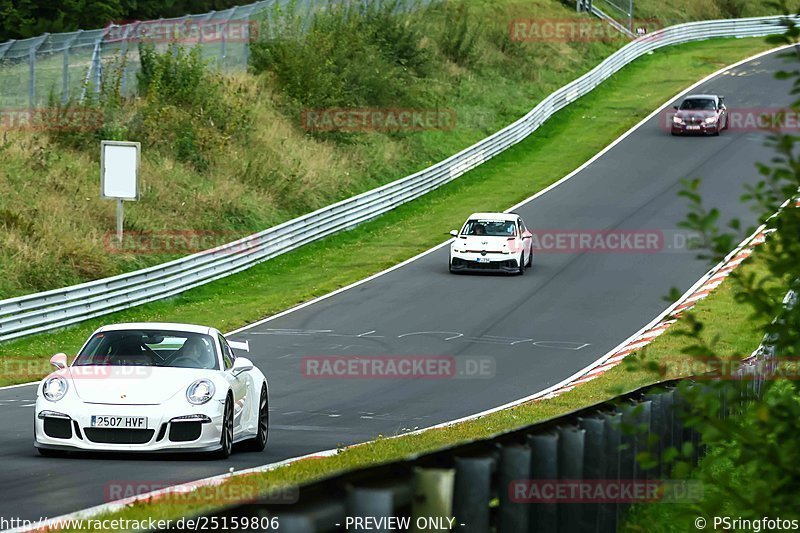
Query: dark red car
[700, 114]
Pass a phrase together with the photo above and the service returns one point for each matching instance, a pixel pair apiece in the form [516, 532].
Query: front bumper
[491, 262]
[694, 129]
[67, 426]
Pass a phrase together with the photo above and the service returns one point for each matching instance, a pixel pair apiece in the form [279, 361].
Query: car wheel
[259, 442]
[521, 264]
[226, 438]
[530, 259]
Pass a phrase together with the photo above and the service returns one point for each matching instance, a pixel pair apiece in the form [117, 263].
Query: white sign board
[119, 170]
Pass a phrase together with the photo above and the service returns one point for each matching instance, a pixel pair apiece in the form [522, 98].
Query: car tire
[530, 259]
[226, 438]
[521, 264]
[259, 442]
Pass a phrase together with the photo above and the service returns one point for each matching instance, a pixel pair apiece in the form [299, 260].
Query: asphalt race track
[534, 330]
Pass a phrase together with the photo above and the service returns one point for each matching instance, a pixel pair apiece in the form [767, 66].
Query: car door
[239, 385]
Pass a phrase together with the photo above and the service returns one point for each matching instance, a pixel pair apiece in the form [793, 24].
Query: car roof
[495, 216]
[168, 326]
[701, 96]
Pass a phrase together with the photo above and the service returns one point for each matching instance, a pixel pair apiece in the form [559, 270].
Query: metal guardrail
[48, 310]
[471, 482]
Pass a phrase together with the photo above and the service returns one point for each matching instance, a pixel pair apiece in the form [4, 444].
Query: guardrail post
[594, 466]
[433, 493]
[657, 431]
[544, 465]
[643, 417]
[570, 467]
[472, 494]
[515, 464]
[371, 502]
[609, 513]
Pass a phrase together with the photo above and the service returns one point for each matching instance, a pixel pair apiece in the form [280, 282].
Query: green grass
[198, 176]
[677, 11]
[334, 262]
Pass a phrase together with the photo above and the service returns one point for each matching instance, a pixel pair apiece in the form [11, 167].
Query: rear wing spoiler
[240, 345]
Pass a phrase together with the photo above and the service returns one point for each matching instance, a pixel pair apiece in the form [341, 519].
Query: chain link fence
[63, 66]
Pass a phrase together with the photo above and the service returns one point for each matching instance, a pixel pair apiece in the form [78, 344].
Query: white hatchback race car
[153, 387]
[492, 242]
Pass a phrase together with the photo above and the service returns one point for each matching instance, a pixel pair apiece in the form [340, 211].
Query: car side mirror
[59, 361]
[454, 233]
[527, 234]
[675, 107]
[241, 364]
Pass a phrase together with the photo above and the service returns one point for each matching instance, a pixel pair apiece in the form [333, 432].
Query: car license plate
[482, 260]
[125, 422]
[692, 127]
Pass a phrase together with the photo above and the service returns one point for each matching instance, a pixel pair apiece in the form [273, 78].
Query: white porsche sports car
[153, 387]
[497, 242]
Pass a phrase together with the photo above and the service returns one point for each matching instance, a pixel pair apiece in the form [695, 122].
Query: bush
[183, 110]
[347, 55]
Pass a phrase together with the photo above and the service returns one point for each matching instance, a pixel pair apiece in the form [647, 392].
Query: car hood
[476, 243]
[132, 385]
[694, 113]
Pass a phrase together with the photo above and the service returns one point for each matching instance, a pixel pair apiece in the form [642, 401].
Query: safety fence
[515, 482]
[48, 310]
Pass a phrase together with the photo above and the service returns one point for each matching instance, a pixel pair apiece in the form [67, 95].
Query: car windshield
[704, 104]
[149, 348]
[490, 228]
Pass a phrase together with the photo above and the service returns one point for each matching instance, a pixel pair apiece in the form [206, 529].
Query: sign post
[119, 174]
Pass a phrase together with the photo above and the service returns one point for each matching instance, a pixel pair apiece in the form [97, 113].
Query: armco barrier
[57, 308]
[471, 482]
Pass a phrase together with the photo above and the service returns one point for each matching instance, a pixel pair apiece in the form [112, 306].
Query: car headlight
[200, 392]
[677, 120]
[711, 120]
[55, 388]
